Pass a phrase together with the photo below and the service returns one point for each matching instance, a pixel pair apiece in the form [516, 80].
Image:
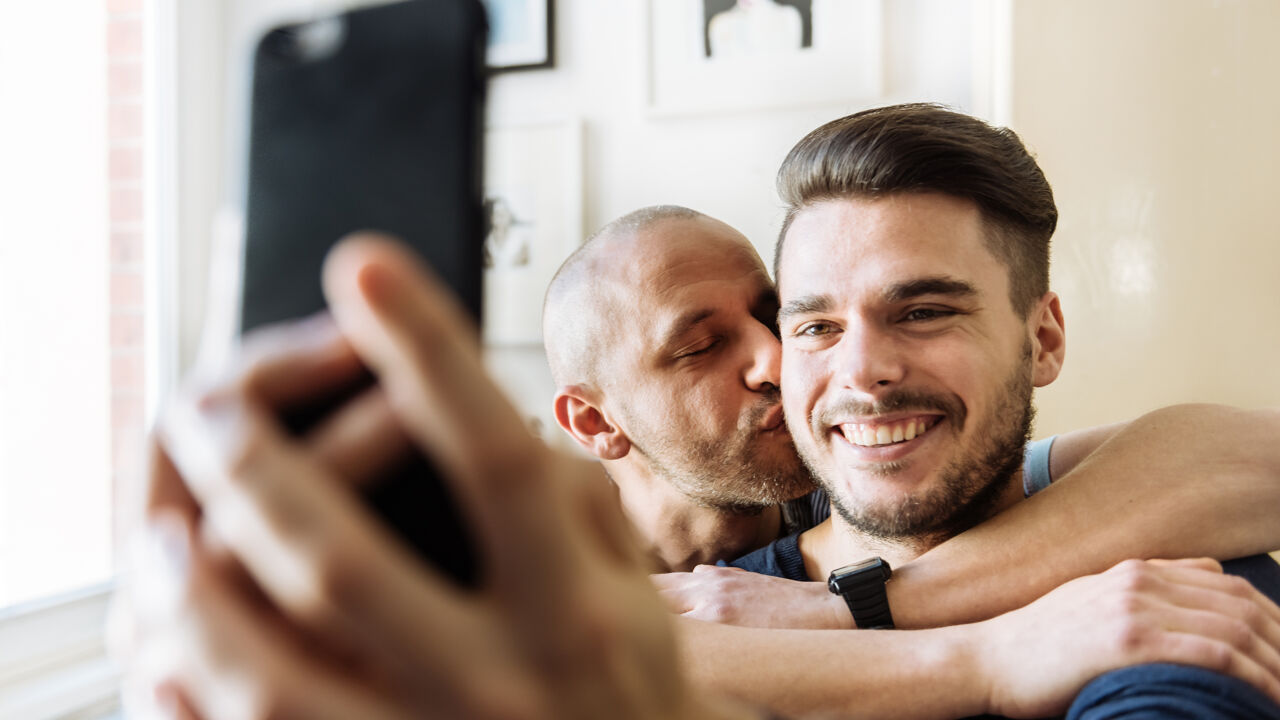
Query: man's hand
[270, 591]
[1187, 612]
[733, 596]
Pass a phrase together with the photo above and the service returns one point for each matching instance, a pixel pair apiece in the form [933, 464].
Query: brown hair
[924, 147]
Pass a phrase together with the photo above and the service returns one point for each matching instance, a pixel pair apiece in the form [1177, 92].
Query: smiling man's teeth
[876, 435]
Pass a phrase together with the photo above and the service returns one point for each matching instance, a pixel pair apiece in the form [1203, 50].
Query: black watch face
[859, 566]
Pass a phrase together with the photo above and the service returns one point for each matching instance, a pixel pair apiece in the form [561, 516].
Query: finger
[161, 490]
[1208, 564]
[1236, 632]
[219, 656]
[1201, 651]
[308, 542]
[293, 362]
[361, 441]
[173, 703]
[416, 340]
[670, 580]
[1210, 577]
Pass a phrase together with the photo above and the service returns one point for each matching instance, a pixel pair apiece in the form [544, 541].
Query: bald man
[659, 337]
[660, 334]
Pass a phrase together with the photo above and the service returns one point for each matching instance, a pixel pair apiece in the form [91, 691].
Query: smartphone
[370, 119]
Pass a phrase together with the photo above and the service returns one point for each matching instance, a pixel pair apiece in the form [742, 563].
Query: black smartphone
[371, 119]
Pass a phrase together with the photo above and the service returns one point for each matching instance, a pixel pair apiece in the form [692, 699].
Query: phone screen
[370, 120]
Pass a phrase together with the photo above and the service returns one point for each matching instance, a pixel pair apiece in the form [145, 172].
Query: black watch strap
[862, 585]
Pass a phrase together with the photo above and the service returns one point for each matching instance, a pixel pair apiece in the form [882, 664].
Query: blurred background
[1155, 121]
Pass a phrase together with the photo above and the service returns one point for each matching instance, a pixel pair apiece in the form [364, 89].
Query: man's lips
[880, 432]
[772, 420]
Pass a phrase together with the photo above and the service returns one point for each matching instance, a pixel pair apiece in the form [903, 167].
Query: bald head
[598, 283]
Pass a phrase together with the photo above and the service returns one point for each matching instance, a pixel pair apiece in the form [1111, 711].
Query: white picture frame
[533, 193]
[702, 58]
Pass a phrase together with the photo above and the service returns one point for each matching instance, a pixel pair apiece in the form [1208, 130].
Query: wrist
[837, 610]
[958, 670]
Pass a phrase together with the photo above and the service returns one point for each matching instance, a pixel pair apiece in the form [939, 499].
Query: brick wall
[125, 223]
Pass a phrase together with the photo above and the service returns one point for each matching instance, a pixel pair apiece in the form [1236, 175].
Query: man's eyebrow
[804, 305]
[682, 324]
[938, 285]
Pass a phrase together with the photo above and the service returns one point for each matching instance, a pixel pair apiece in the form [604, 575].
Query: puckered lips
[773, 420]
[887, 437]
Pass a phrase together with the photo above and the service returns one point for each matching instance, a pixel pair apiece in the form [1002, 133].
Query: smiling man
[916, 319]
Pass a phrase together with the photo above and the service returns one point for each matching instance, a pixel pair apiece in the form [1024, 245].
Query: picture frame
[714, 55]
[521, 35]
[533, 194]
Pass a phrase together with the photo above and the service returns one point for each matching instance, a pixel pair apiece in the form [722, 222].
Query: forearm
[1179, 482]
[863, 674]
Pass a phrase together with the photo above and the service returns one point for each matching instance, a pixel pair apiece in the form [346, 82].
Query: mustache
[842, 408]
[769, 399]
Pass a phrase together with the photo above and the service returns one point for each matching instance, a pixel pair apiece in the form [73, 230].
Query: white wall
[1156, 122]
[721, 163]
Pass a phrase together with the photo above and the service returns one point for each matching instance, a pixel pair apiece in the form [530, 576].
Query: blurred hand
[264, 588]
[733, 596]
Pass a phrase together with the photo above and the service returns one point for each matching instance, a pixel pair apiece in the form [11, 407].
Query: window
[73, 319]
[71, 289]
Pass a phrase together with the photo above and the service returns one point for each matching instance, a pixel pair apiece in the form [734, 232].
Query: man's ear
[1048, 340]
[580, 415]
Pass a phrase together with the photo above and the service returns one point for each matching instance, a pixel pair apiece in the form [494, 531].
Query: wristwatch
[862, 587]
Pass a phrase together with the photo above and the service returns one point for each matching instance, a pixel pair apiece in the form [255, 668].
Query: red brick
[126, 204]
[127, 451]
[126, 291]
[126, 245]
[124, 36]
[124, 80]
[126, 412]
[125, 163]
[127, 372]
[124, 120]
[126, 330]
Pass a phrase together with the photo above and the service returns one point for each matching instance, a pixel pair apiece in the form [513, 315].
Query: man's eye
[700, 349]
[926, 314]
[814, 329]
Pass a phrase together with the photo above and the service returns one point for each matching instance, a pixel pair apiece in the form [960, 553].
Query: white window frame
[53, 655]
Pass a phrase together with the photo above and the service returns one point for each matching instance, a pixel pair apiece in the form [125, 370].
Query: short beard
[726, 474]
[970, 486]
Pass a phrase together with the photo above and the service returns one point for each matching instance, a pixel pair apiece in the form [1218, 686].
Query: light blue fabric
[1035, 466]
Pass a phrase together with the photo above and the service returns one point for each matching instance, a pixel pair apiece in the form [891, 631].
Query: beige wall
[1158, 124]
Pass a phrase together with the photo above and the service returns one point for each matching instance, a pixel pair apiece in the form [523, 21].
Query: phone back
[372, 120]
[378, 128]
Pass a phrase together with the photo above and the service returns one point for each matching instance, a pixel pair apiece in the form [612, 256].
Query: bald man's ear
[1048, 340]
[588, 425]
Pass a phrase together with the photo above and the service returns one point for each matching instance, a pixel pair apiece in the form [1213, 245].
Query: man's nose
[868, 359]
[764, 358]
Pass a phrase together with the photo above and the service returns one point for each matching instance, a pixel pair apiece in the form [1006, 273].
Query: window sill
[53, 658]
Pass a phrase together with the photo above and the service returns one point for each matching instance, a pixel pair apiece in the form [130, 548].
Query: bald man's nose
[765, 367]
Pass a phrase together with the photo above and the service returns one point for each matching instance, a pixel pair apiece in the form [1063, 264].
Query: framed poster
[521, 34]
[731, 55]
[533, 195]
